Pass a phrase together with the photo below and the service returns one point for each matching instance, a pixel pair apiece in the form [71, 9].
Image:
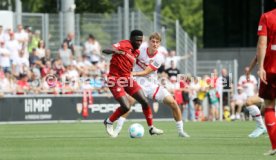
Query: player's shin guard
[115, 115]
[148, 115]
[270, 122]
[255, 112]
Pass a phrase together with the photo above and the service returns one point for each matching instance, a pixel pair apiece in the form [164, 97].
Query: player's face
[154, 44]
[136, 41]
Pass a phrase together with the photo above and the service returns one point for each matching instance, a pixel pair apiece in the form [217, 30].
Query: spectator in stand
[172, 71]
[6, 34]
[92, 49]
[188, 96]
[66, 87]
[23, 38]
[34, 40]
[47, 57]
[2, 80]
[65, 55]
[7, 83]
[69, 41]
[238, 101]
[58, 67]
[5, 61]
[20, 65]
[224, 87]
[71, 73]
[22, 85]
[83, 64]
[13, 47]
[172, 57]
[194, 102]
[248, 82]
[213, 98]
[34, 58]
[214, 78]
[51, 85]
[2, 34]
[46, 68]
[201, 95]
[35, 82]
[41, 49]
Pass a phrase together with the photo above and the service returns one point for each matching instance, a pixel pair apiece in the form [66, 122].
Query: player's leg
[268, 92]
[217, 111]
[141, 98]
[238, 110]
[210, 112]
[121, 120]
[233, 110]
[124, 108]
[118, 92]
[255, 112]
[270, 121]
[170, 101]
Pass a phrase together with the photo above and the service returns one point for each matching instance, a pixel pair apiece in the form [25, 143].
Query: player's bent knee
[126, 109]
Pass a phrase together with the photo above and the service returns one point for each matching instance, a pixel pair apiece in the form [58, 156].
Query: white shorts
[152, 89]
[156, 92]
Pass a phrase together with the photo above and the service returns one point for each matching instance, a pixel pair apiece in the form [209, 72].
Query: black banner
[41, 108]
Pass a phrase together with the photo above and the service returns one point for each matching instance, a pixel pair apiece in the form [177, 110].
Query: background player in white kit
[145, 69]
[249, 84]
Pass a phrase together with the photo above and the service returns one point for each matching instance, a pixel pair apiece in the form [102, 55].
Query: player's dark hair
[136, 33]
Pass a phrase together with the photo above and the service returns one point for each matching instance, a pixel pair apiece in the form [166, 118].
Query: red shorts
[119, 86]
[268, 91]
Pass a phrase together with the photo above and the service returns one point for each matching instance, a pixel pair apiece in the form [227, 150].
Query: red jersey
[267, 27]
[121, 65]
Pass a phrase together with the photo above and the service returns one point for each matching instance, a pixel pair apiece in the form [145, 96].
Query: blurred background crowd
[27, 68]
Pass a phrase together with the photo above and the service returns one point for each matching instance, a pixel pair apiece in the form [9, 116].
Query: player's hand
[262, 75]
[120, 52]
[132, 74]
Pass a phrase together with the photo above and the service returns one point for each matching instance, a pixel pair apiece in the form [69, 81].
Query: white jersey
[249, 86]
[149, 83]
[144, 60]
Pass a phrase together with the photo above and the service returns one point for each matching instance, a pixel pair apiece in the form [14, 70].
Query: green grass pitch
[88, 141]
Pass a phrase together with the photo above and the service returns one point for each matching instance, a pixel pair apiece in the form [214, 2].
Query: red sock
[270, 121]
[148, 115]
[115, 115]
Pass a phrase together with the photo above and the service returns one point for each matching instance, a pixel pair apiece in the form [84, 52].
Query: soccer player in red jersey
[266, 56]
[120, 81]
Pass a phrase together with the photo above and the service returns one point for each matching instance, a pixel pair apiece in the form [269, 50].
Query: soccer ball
[136, 130]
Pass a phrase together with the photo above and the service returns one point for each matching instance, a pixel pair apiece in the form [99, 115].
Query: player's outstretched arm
[112, 51]
[147, 71]
[251, 66]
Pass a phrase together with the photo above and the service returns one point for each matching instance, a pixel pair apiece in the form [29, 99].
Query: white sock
[108, 120]
[179, 126]
[120, 123]
[254, 111]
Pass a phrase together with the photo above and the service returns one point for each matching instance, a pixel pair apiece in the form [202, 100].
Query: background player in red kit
[266, 55]
[120, 81]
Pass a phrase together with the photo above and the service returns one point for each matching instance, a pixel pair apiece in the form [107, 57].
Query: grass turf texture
[88, 141]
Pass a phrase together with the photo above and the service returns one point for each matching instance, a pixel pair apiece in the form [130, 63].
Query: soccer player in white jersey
[145, 71]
